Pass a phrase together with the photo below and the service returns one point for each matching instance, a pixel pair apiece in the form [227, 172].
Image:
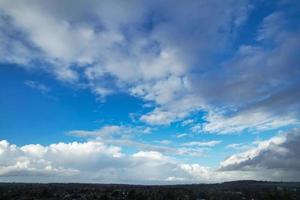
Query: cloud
[187, 122]
[258, 85]
[91, 161]
[197, 128]
[273, 159]
[166, 57]
[202, 143]
[175, 111]
[175, 56]
[173, 98]
[196, 170]
[112, 131]
[165, 142]
[238, 146]
[38, 86]
[250, 120]
[98, 161]
[128, 137]
[181, 135]
[148, 52]
[105, 131]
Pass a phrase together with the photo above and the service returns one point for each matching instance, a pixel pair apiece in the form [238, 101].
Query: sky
[149, 92]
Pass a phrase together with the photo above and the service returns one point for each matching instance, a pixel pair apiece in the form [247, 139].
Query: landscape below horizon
[246, 190]
[165, 99]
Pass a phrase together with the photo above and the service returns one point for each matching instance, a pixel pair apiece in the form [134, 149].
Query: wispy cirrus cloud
[202, 143]
[37, 86]
[126, 136]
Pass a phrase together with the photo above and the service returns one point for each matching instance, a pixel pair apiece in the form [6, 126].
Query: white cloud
[173, 111]
[187, 122]
[252, 121]
[196, 170]
[181, 135]
[112, 131]
[165, 142]
[158, 117]
[128, 137]
[95, 161]
[202, 143]
[197, 128]
[163, 91]
[91, 161]
[238, 146]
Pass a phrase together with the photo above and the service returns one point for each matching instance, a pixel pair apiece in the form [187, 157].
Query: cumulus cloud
[273, 159]
[98, 161]
[92, 161]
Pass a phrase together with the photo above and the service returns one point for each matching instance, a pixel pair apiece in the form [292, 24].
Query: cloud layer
[96, 161]
[92, 161]
[165, 53]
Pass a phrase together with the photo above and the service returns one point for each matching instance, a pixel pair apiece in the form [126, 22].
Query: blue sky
[196, 91]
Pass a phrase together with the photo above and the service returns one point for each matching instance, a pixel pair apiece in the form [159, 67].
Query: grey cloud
[277, 157]
[261, 78]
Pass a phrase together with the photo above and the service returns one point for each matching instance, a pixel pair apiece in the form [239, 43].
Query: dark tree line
[238, 190]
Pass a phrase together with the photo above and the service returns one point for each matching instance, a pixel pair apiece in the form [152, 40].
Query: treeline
[238, 190]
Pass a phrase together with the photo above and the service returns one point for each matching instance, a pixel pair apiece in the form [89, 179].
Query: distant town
[239, 190]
